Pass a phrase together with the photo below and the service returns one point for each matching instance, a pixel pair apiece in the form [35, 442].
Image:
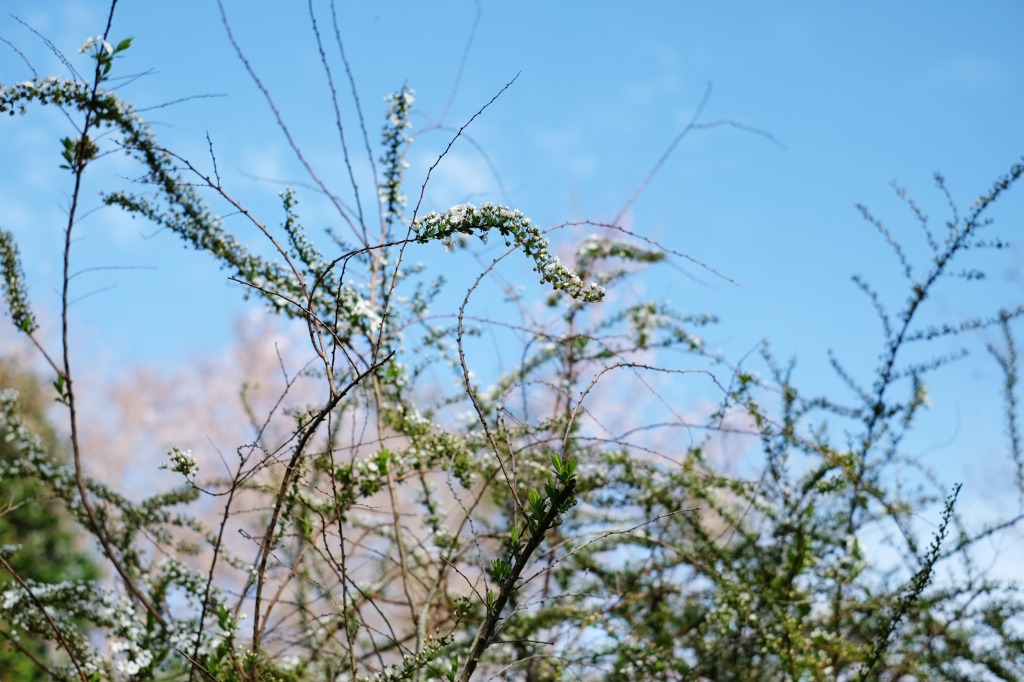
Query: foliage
[553, 534]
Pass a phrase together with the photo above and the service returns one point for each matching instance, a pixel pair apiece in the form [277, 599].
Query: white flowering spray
[466, 220]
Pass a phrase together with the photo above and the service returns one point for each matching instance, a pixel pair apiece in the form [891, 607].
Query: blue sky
[856, 96]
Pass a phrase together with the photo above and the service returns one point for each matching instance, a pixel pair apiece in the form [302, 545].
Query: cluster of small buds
[13, 284]
[182, 462]
[398, 103]
[594, 247]
[470, 220]
[13, 426]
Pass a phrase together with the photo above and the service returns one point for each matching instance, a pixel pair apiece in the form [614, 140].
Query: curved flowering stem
[466, 220]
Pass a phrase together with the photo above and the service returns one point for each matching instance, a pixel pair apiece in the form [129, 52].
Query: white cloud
[458, 178]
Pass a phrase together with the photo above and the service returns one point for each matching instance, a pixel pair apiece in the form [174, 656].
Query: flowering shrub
[531, 528]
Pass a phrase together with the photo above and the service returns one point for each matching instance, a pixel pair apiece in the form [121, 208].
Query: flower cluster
[470, 220]
[129, 646]
[395, 141]
[67, 604]
[51, 90]
[182, 462]
[593, 248]
[94, 44]
[13, 426]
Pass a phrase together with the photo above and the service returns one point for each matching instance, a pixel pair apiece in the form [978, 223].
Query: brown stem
[98, 530]
[270, 537]
[485, 635]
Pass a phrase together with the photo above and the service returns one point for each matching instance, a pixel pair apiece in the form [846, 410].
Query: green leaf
[62, 389]
[500, 570]
[556, 462]
[533, 497]
[68, 154]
